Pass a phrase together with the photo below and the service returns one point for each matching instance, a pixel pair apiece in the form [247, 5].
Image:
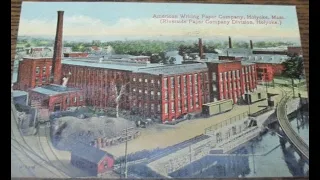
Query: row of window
[44, 79]
[230, 86]
[191, 78]
[229, 75]
[74, 100]
[145, 80]
[166, 105]
[44, 69]
[146, 106]
[248, 69]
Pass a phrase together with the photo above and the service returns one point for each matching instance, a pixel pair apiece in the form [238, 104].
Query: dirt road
[161, 136]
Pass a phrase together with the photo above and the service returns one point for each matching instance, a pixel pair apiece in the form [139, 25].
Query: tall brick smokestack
[57, 56]
[251, 45]
[230, 43]
[200, 48]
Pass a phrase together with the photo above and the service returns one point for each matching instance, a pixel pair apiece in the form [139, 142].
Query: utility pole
[126, 154]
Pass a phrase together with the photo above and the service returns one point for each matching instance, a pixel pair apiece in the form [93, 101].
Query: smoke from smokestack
[200, 48]
[251, 45]
[57, 56]
[65, 81]
[230, 43]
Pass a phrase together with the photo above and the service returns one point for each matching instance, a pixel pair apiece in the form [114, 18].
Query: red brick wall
[229, 87]
[34, 96]
[265, 72]
[29, 78]
[227, 58]
[61, 98]
[249, 78]
[174, 104]
[80, 54]
[101, 166]
[144, 97]
[96, 84]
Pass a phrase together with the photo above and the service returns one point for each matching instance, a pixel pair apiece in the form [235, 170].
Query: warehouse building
[90, 159]
[268, 66]
[176, 90]
[56, 97]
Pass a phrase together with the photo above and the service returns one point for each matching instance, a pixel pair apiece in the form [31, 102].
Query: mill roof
[54, 89]
[106, 64]
[88, 153]
[174, 69]
[273, 59]
[18, 93]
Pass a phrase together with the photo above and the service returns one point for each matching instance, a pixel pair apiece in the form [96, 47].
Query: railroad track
[24, 165]
[32, 155]
[293, 137]
[69, 170]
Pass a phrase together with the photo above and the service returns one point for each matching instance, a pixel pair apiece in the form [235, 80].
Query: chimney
[230, 43]
[57, 56]
[251, 45]
[200, 48]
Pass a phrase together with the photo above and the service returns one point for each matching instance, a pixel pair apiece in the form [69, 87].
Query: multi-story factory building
[231, 79]
[171, 91]
[129, 82]
[34, 72]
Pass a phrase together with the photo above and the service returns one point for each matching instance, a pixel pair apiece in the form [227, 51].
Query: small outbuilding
[90, 159]
[20, 97]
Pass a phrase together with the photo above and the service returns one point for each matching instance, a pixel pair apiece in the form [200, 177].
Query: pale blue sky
[110, 13]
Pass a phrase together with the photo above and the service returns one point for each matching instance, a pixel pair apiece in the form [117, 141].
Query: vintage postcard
[158, 90]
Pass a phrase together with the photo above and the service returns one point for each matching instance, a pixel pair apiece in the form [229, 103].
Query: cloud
[87, 26]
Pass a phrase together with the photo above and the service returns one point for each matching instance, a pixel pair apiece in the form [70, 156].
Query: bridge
[298, 143]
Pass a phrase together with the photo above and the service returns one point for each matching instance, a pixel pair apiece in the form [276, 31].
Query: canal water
[261, 157]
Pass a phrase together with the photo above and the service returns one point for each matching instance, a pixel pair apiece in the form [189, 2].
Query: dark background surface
[302, 7]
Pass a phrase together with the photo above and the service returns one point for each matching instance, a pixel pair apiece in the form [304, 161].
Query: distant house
[90, 159]
[96, 48]
[75, 54]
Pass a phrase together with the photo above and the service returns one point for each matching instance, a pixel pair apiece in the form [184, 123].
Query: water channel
[261, 157]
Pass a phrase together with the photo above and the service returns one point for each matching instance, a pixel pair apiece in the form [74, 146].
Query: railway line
[289, 132]
[28, 156]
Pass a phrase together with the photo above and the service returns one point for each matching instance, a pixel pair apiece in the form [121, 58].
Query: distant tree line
[186, 49]
[147, 47]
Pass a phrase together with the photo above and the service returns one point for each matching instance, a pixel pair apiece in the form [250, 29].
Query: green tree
[27, 45]
[293, 69]
[162, 58]
[187, 49]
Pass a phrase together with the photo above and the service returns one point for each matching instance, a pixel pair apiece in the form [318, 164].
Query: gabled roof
[88, 153]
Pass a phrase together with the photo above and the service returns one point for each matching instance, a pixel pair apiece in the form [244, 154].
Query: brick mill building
[164, 92]
[55, 97]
